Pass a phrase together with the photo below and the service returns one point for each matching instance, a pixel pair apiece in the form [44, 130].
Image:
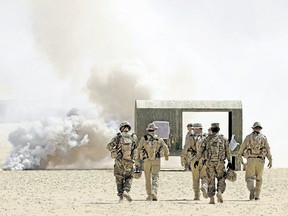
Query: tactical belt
[255, 157]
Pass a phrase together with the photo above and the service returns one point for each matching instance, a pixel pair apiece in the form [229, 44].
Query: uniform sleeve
[243, 146]
[267, 146]
[201, 149]
[187, 146]
[165, 148]
[138, 150]
[112, 145]
[135, 144]
[227, 150]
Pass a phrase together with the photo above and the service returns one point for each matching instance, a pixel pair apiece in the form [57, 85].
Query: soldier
[215, 150]
[255, 148]
[185, 160]
[209, 131]
[150, 149]
[122, 148]
[190, 151]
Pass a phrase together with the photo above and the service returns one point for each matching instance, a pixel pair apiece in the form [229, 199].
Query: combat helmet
[123, 124]
[257, 124]
[137, 174]
[151, 127]
[231, 175]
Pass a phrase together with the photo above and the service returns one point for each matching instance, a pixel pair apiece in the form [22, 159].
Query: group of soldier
[205, 154]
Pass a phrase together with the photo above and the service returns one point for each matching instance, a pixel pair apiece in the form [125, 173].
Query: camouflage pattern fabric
[215, 150]
[124, 146]
[123, 172]
[214, 171]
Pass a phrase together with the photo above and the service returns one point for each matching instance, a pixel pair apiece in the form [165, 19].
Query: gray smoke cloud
[63, 35]
[116, 92]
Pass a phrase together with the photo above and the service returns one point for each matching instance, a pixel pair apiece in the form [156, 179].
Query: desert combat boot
[204, 192]
[212, 201]
[252, 194]
[127, 196]
[219, 197]
[196, 195]
[154, 196]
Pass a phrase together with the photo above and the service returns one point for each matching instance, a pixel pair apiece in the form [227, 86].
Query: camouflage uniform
[185, 159]
[215, 150]
[255, 148]
[150, 149]
[190, 151]
[122, 148]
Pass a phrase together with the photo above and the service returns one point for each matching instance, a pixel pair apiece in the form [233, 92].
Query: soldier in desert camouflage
[150, 149]
[185, 160]
[215, 151]
[122, 148]
[190, 151]
[255, 149]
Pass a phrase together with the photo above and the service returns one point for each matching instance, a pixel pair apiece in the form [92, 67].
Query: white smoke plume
[77, 141]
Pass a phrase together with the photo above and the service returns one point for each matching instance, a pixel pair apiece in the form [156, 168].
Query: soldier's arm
[187, 147]
[112, 145]
[268, 154]
[135, 144]
[201, 150]
[243, 146]
[138, 151]
[227, 151]
[165, 149]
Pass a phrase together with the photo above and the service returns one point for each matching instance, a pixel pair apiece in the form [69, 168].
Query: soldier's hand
[229, 165]
[269, 164]
[196, 164]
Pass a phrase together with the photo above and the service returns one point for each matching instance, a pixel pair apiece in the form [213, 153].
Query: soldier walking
[255, 148]
[150, 149]
[122, 148]
[215, 150]
[185, 160]
[191, 147]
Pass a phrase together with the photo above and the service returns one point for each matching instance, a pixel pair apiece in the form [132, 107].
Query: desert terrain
[93, 192]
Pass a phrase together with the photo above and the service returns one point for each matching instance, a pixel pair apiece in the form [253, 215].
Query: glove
[229, 165]
[196, 164]
[269, 164]
[166, 158]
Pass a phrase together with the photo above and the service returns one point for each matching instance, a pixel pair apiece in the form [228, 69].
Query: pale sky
[179, 50]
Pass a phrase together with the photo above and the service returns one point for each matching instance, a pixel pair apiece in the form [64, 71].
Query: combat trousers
[123, 172]
[198, 173]
[215, 170]
[254, 171]
[151, 169]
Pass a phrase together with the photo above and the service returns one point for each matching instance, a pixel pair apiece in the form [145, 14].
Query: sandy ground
[93, 192]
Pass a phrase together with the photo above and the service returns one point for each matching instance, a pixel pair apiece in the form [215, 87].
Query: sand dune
[93, 192]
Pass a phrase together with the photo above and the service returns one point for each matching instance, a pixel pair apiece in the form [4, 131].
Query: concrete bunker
[171, 111]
